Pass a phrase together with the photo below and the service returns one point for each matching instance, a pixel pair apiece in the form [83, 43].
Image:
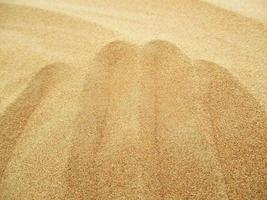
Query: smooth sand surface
[140, 99]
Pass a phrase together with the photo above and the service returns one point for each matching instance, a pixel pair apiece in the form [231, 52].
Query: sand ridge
[16, 115]
[237, 119]
[156, 111]
[122, 100]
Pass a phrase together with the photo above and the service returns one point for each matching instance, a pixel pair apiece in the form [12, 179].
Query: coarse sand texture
[143, 99]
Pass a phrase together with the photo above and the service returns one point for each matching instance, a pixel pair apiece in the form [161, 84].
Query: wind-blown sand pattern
[132, 100]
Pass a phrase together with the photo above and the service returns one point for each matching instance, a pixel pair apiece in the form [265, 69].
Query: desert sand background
[140, 99]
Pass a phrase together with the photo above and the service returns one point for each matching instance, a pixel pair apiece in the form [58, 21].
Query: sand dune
[15, 117]
[134, 104]
[145, 111]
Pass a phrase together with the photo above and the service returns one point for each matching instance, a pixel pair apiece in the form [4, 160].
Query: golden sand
[120, 99]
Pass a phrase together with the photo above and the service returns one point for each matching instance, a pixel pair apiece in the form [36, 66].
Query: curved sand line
[12, 13]
[16, 116]
[46, 29]
[139, 134]
[239, 127]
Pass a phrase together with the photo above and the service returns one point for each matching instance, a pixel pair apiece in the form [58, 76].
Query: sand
[143, 99]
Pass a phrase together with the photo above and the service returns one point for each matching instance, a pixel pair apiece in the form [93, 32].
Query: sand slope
[124, 100]
[17, 114]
